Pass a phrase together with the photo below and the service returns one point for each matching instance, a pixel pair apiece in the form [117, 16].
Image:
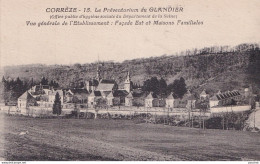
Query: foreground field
[72, 139]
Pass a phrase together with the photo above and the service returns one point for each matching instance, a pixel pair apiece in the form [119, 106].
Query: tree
[57, 105]
[178, 87]
[53, 84]
[162, 87]
[44, 81]
[152, 85]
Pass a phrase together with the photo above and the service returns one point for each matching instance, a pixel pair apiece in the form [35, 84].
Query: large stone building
[107, 89]
[226, 98]
[25, 101]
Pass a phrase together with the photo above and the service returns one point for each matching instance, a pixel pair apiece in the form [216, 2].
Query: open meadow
[103, 139]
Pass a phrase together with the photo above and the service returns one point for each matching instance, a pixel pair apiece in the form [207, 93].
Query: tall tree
[57, 104]
[178, 87]
[162, 87]
[44, 81]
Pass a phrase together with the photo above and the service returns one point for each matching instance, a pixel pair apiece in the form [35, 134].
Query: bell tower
[128, 86]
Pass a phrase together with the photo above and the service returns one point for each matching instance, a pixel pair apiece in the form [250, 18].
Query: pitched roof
[106, 81]
[110, 95]
[149, 96]
[79, 91]
[120, 93]
[95, 94]
[203, 92]
[226, 95]
[26, 96]
[105, 93]
[214, 98]
[129, 95]
[170, 96]
[106, 85]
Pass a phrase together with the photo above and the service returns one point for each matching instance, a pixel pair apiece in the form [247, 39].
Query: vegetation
[57, 105]
[211, 68]
[66, 139]
[13, 89]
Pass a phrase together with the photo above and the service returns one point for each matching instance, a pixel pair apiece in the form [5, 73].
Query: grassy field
[72, 139]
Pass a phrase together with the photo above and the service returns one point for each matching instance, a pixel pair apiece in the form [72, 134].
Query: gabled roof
[106, 81]
[130, 96]
[170, 96]
[95, 94]
[106, 85]
[227, 94]
[26, 96]
[120, 93]
[214, 98]
[105, 93]
[79, 91]
[138, 93]
[110, 95]
[203, 92]
[149, 96]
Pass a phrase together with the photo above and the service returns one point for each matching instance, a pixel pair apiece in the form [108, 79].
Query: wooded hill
[212, 68]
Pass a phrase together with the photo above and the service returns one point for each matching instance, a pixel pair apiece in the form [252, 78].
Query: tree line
[161, 89]
[13, 89]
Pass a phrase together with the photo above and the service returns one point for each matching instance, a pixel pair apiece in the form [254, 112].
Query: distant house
[149, 100]
[214, 101]
[79, 95]
[169, 101]
[203, 95]
[92, 98]
[110, 99]
[190, 100]
[129, 99]
[225, 98]
[24, 101]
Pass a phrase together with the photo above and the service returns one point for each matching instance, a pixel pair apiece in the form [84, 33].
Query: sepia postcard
[129, 80]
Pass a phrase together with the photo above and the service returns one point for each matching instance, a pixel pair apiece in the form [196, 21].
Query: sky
[225, 22]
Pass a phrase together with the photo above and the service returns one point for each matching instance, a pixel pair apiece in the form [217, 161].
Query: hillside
[212, 68]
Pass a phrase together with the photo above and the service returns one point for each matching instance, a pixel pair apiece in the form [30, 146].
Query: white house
[149, 100]
[169, 101]
[129, 100]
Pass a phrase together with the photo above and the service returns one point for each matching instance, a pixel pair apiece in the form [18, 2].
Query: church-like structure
[107, 89]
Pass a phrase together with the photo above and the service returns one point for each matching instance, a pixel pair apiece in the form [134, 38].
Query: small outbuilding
[169, 101]
[129, 99]
[149, 100]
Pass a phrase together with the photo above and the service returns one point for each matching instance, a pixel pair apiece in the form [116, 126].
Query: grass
[72, 139]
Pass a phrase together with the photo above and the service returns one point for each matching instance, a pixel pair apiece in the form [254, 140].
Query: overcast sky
[225, 22]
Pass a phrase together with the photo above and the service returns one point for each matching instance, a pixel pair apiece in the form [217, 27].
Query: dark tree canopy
[44, 81]
[57, 105]
[178, 87]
